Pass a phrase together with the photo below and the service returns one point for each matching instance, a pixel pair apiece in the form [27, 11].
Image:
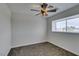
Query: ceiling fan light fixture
[45, 8]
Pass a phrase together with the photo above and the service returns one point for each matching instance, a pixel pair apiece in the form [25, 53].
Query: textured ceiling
[25, 7]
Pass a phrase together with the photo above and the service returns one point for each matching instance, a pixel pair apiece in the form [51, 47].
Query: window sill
[65, 32]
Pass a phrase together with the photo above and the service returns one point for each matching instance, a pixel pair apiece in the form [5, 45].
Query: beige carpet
[41, 49]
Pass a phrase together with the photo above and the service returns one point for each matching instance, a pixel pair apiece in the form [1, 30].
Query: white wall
[5, 30]
[27, 29]
[68, 41]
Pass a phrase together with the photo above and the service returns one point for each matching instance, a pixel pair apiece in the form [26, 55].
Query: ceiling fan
[45, 8]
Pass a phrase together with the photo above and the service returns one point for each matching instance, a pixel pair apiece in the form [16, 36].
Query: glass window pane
[61, 26]
[73, 25]
[53, 26]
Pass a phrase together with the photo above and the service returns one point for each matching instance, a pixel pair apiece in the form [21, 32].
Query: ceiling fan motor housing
[44, 5]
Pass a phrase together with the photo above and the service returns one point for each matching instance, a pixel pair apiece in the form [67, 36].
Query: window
[73, 25]
[61, 26]
[66, 25]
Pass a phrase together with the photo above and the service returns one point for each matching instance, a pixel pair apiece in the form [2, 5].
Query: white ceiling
[25, 7]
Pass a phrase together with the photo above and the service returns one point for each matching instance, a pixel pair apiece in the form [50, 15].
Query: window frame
[62, 19]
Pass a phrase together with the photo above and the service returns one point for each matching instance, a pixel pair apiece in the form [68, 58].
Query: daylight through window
[66, 25]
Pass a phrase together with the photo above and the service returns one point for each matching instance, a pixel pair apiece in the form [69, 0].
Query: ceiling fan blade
[52, 10]
[38, 14]
[50, 6]
[34, 10]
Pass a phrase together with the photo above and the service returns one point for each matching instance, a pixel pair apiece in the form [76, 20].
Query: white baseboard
[27, 44]
[7, 52]
[64, 48]
[42, 42]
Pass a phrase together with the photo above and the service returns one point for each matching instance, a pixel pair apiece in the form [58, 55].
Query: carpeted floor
[41, 49]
